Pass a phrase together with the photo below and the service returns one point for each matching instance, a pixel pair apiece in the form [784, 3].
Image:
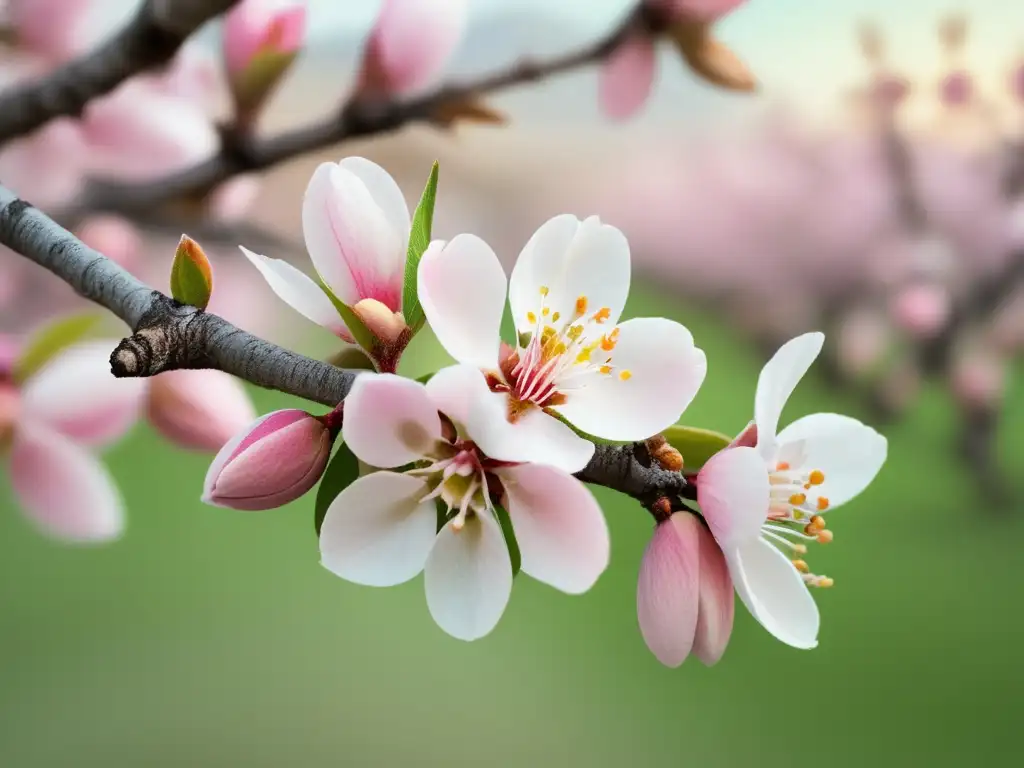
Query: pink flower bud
[386, 325]
[921, 309]
[114, 237]
[410, 45]
[257, 27]
[198, 410]
[272, 462]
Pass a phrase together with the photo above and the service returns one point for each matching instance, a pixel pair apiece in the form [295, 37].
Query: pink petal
[627, 77]
[63, 489]
[411, 43]
[733, 492]
[389, 420]
[256, 26]
[667, 589]
[299, 292]
[274, 461]
[383, 189]
[561, 530]
[462, 289]
[38, 28]
[377, 531]
[716, 603]
[468, 578]
[353, 244]
[198, 410]
[453, 390]
[76, 394]
[665, 370]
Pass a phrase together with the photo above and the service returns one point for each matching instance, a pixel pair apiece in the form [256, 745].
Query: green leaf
[191, 275]
[697, 445]
[351, 357]
[419, 239]
[364, 336]
[425, 377]
[443, 513]
[340, 473]
[510, 538]
[52, 339]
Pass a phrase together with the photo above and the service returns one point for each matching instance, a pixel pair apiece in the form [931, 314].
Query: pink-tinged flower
[383, 529]
[270, 463]
[56, 30]
[684, 597]
[411, 42]
[627, 75]
[763, 502]
[956, 89]
[115, 237]
[49, 422]
[233, 199]
[356, 225]
[573, 359]
[922, 308]
[255, 28]
[47, 166]
[199, 410]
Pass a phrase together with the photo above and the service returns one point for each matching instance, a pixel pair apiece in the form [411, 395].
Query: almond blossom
[768, 494]
[383, 529]
[356, 225]
[50, 424]
[573, 360]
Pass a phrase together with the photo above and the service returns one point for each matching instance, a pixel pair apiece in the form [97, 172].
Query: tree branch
[151, 38]
[167, 335]
[358, 118]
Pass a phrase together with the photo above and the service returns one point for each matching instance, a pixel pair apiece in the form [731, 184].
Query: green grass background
[214, 638]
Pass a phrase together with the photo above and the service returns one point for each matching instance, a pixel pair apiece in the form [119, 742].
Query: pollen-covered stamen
[795, 516]
[558, 353]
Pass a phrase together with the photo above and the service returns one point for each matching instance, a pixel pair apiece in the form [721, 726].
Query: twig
[167, 335]
[358, 118]
[150, 39]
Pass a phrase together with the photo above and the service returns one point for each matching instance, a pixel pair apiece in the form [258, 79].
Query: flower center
[457, 476]
[557, 356]
[796, 514]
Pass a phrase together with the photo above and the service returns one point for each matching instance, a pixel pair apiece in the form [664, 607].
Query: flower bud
[921, 309]
[198, 410]
[261, 39]
[274, 461]
[386, 325]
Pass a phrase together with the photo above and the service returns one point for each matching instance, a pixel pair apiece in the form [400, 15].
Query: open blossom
[356, 224]
[383, 529]
[49, 426]
[627, 77]
[763, 501]
[573, 359]
[410, 44]
[684, 597]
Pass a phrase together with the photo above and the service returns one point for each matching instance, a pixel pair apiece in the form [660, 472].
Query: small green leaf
[52, 339]
[351, 357]
[425, 377]
[340, 473]
[510, 538]
[191, 275]
[419, 239]
[697, 445]
[363, 336]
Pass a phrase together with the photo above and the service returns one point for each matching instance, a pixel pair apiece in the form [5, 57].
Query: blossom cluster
[469, 475]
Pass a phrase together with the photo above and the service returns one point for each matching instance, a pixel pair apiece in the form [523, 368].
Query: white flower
[356, 224]
[763, 502]
[383, 529]
[573, 359]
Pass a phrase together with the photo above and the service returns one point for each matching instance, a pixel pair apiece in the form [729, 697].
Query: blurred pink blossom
[57, 30]
[198, 410]
[46, 166]
[979, 377]
[627, 76]
[255, 27]
[410, 44]
[956, 89]
[114, 237]
[921, 309]
[233, 199]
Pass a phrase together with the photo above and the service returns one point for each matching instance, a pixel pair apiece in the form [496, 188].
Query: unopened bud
[384, 324]
[199, 410]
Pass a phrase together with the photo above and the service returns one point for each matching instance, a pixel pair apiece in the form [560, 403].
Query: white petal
[377, 531]
[774, 593]
[776, 383]
[384, 191]
[76, 394]
[453, 390]
[665, 372]
[848, 452]
[389, 420]
[462, 291]
[353, 245]
[535, 436]
[571, 259]
[562, 533]
[733, 493]
[63, 488]
[468, 578]
[299, 292]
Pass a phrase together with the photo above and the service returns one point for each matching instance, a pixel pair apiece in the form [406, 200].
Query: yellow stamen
[531, 318]
[782, 466]
[554, 317]
[625, 375]
[543, 290]
[797, 499]
[585, 353]
[605, 369]
[825, 537]
[798, 515]
[800, 549]
[575, 332]
[801, 566]
[581, 305]
[818, 522]
[601, 315]
[546, 311]
[824, 582]
[817, 477]
[822, 503]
